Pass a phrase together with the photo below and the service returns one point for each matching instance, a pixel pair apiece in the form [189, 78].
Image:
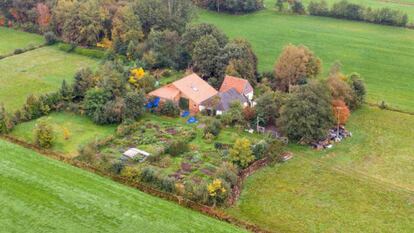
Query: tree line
[353, 11]
[231, 6]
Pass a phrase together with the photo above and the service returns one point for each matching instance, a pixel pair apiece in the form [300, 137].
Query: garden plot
[180, 158]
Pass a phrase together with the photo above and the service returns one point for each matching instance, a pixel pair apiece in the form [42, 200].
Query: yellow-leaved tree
[241, 153]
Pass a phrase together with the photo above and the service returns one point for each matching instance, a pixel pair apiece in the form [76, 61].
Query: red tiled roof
[166, 92]
[195, 88]
[242, 86]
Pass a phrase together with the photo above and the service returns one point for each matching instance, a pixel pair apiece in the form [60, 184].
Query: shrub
[44, 134]
[218, 191]
[213, 126]
[117, 167]
[149, 175]
[167, 184]
[95, 99]
[169, 108]
[227, 172]
[318, 8]
[260, 149]
[6, 124]
[18, 51]
[50, 38]
[177, 147]
[241, 152]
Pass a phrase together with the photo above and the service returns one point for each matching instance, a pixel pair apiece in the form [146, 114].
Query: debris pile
[336, 134]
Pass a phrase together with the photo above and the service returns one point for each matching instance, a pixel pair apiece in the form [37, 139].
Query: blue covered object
[185, 114]
[153, 104]
[192, 120]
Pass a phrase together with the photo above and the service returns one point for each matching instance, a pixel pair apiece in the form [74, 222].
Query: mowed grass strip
[80, 128]
[364, 184]
[43, 195]
[37, 72]
[383, 55]
[12, 39]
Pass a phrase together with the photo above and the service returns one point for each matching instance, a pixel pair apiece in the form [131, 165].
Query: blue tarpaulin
[153, 104]
[192, 120]
[185, 114]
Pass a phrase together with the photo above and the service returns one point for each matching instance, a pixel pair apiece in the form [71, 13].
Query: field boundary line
[186, 203]
[24, 50]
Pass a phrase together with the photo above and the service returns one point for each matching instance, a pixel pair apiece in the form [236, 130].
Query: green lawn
[43, 195]
[365, 184]
[382, 55]
[12, 39]
[35, 72]
[81, 130]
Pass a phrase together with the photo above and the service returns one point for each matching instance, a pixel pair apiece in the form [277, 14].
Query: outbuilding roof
[242, 86]
[225, 100]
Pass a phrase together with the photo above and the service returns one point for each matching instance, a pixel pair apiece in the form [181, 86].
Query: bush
[232, 6]
[227, 172]
[169, 108]
[44, 134]
[167, 184]
[6, 124]
[177, 147]
[260, 149]
[318, 8]
[18, 51]
[213, 126]
[149, 175]
[50, 38]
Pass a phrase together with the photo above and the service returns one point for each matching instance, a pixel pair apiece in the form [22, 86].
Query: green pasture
[364, 184]
[81, 131]
[37, 72]
[39, 194]
[12, 39]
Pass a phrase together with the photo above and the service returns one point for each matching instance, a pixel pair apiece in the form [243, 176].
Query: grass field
[81, 131]
[35, 72]
[42, 195]
[382, 55]
[365, 184]
[12, 39]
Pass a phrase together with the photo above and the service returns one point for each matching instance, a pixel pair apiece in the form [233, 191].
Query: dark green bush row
[92, 53]
[231, 6]
[352, 11]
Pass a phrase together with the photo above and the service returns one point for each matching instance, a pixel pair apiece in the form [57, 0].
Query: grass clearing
[11, 39]
[39, 194]
[37, 72]
[81, 130]
[364, 184]
[381, 54]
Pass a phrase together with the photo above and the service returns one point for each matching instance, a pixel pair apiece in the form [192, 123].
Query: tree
[167, 49]
[65, 91]
[341, 112]
[44, 134]
[297, 7]
[5, 122]
[358, 87]
[234, 115]
[111, 112]
[268, 106]
[44, 15]
[208, 58]
[295, 65]
[161, 15]
[242, 60]
[194, 33]
[134, 105]
[126, 29]
[341, 90]
[84, 80]
[307, 115]
[241, 152]
[95, 99]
